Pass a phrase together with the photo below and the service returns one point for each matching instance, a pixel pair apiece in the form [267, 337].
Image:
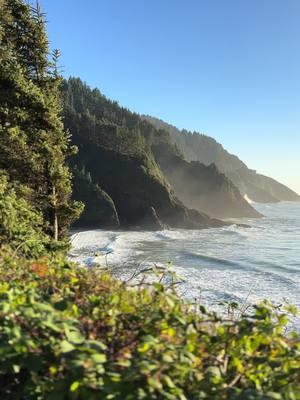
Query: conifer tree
[33, 142]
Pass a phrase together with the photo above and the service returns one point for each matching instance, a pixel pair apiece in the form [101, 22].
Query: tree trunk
[55, 219]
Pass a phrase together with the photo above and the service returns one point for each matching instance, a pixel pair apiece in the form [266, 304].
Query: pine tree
[33, 144]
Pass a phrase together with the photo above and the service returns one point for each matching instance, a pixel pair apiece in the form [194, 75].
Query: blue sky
[227, 68]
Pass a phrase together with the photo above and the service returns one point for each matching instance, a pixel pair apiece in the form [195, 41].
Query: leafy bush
[71, 333]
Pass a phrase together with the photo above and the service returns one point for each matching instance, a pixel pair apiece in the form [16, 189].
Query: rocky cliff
[202, 187]
[99, 209]
[115, 152]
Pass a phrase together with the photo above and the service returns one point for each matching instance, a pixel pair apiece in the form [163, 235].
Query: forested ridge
[72, 333]
[130, 160]
[200, 147]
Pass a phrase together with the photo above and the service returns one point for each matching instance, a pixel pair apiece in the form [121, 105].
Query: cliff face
[202, 148]
[141, 196]
[202, 187]
[99, 207]
[115, 153]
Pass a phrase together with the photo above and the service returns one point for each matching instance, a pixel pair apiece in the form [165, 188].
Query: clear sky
[227, 68]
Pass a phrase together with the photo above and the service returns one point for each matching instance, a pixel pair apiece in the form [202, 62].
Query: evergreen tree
[34, 144]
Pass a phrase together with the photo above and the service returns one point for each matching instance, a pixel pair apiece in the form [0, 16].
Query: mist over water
[224, 264]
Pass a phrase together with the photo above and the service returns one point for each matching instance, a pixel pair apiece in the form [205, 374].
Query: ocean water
[218, 265]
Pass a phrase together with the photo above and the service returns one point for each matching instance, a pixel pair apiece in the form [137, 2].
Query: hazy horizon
[230, 71]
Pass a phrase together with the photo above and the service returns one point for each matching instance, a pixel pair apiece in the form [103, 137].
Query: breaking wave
[221, 264]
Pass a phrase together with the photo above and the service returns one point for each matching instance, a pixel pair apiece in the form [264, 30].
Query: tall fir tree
[33, 142]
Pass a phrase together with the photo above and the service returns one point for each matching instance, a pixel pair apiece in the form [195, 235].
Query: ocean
[229, 264]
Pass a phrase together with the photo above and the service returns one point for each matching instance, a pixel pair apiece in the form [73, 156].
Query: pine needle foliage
[34, 144]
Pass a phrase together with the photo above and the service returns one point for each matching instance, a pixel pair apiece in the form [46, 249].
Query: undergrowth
[71, 333]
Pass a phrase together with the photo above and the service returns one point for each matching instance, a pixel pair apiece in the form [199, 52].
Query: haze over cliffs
[202, 187]
[199, 147]
[128, 172]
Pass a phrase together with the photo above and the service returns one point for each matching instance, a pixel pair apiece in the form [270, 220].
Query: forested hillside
[199, 147]
[202, 187]
[119, 152]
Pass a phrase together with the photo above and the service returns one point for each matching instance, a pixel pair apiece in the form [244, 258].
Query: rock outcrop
[99, 210]
[151, 221]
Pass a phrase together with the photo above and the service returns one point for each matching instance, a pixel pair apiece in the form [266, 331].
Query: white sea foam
[247, 198]
[230, 263]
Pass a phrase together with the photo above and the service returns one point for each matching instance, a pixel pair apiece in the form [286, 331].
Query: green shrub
[71, 333]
